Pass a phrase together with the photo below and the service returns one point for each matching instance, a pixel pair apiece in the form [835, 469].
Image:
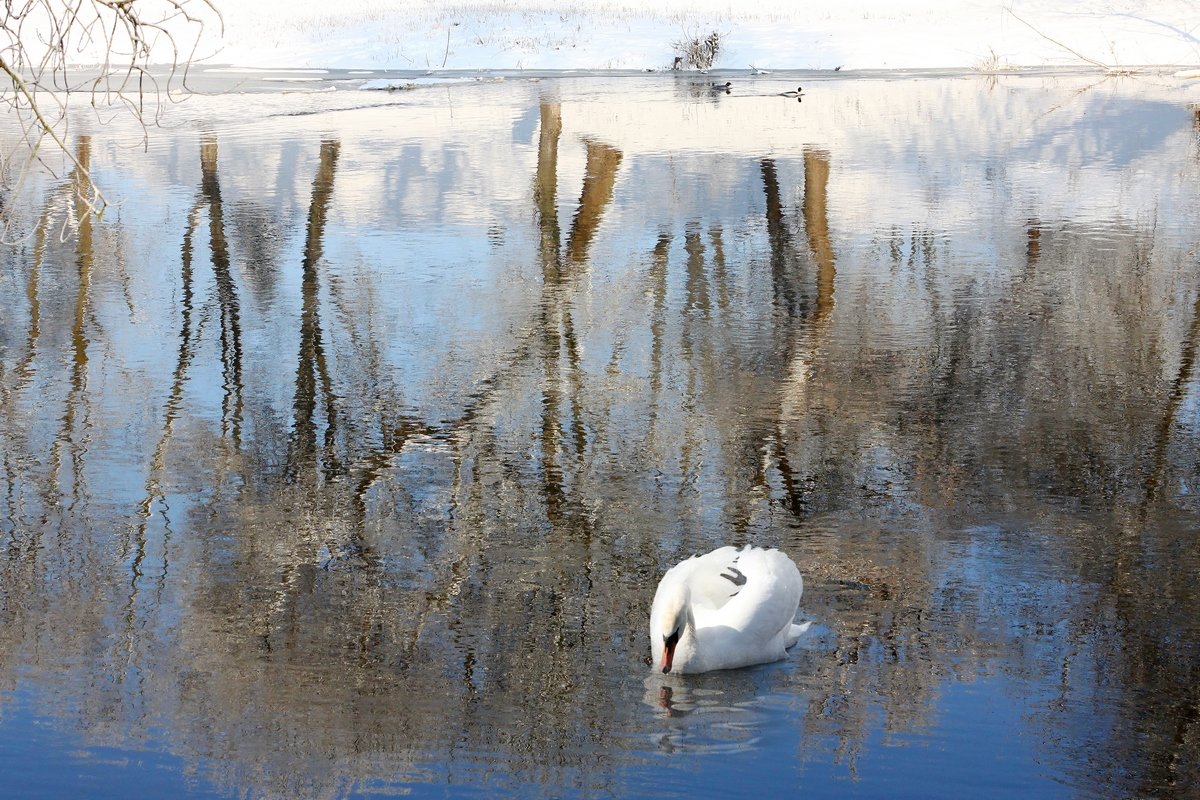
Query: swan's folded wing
[766, 602]
[709, 579]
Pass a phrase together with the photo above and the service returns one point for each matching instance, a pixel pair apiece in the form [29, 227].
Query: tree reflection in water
[314, 503]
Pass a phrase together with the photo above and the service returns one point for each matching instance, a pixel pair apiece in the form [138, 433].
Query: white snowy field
[642, 34]
[646, 34]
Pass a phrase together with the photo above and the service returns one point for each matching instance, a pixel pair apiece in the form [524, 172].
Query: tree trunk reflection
[392, 471]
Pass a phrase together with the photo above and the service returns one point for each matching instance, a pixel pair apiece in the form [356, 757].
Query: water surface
[342, 454]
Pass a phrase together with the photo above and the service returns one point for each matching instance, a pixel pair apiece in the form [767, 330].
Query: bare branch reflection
[406, 505]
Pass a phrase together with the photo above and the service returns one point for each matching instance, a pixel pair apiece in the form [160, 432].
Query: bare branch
[1070, 50]
[22, 88]
[107, 50]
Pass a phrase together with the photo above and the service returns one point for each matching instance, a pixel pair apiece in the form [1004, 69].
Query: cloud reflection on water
[353, 448]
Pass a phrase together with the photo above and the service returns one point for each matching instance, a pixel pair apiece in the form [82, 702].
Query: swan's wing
[712, 579]
[765, 602]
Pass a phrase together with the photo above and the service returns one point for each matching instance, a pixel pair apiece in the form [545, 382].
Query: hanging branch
[46, 44]
[47, 129]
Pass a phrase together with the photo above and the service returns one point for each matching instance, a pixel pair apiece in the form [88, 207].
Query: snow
[641, 34]
[435, 35]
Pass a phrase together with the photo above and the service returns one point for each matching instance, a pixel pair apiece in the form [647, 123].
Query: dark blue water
[343, 453]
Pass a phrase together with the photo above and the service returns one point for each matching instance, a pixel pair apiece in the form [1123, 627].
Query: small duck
[721, 87]
[799, 92]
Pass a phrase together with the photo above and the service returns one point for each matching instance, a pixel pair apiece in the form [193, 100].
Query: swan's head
[668, 620]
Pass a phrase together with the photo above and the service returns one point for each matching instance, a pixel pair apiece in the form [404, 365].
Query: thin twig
[19, 84]
[446, 55]
[1052, 40]
[41, 39]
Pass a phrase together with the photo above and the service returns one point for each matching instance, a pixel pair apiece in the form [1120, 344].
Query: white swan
[729, 608]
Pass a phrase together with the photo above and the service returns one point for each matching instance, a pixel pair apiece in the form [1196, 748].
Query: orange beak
[668, 656]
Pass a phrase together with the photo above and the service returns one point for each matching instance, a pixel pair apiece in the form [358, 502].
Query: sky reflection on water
[343, 455]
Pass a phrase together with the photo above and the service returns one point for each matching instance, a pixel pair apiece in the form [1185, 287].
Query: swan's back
[769, 595]
[710, 582]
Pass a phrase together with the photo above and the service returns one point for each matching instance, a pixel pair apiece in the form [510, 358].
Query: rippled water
[342, 455]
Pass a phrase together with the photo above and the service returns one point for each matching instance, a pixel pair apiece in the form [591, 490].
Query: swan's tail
[795, 631]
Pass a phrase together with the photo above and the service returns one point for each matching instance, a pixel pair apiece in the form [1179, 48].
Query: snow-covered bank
[643, 34]
[638, 35]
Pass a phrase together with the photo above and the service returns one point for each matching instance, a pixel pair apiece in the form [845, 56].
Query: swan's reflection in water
[720, 712]
[739, 710]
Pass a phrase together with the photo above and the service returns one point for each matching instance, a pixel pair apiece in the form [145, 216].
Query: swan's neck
[685, 614]
[686, 650]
